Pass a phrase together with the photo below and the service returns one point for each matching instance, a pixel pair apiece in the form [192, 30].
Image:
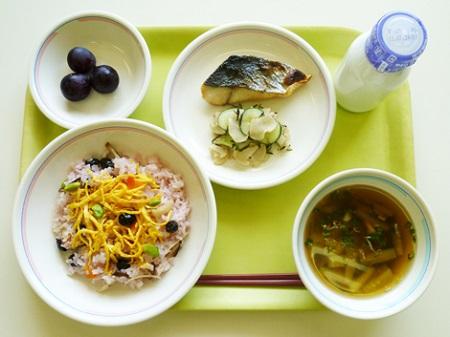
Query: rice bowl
[45, 266]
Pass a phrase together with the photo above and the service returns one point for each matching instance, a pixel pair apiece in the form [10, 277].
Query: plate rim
[283, 32]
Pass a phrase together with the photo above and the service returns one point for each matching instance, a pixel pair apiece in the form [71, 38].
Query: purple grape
[105, 79]
[75, 87]
[81, 60]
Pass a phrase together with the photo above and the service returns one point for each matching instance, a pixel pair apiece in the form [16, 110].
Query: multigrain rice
[173, 190]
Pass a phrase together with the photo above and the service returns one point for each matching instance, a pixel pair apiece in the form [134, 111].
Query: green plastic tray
[254, 227]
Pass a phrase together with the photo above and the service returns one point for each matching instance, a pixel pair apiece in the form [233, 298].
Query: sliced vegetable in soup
[360, 240]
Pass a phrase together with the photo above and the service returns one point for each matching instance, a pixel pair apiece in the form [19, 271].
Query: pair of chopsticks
[252, 280]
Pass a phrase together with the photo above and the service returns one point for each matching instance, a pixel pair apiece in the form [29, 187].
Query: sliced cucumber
[272, 136]
[246, 117]
[242, 146]
[223, 140]
[261, 126]
[283, 141]
[224, 117]
[235, 132]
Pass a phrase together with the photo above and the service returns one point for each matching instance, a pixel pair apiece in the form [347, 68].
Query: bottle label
[396, 42]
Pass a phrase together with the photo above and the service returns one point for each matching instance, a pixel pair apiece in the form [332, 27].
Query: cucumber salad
[248, 136]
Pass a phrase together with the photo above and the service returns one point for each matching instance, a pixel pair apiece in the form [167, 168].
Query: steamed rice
[173, 196]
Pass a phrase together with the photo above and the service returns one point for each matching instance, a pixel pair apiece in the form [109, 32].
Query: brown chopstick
[271, 276]
[250, 280]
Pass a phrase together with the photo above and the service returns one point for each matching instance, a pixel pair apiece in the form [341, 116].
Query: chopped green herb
[72, 186]
[98, 210]
[339, 195]
[326, 232]
[348, 241]
[155, 201]
[412, 230]
[378, 238]
[346, 236]
[309, 242]
[151, 250]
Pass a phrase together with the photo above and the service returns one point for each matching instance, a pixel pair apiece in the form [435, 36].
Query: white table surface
[23, 23]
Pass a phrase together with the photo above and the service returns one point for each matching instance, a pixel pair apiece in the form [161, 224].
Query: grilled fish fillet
[245, 78]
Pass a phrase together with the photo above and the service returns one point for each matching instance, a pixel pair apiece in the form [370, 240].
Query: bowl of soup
[364, 243]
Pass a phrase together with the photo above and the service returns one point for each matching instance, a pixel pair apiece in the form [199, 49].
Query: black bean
[122, 264]
[92, 162]
[171, 226]
[73, 264]
[60, 246]
[106, 162]
[127, 219]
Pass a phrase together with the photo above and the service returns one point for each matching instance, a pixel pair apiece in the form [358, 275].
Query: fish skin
[243, 78]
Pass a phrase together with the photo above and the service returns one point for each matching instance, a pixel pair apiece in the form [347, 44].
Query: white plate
[34, 212]
[114, 42]
[309, 112]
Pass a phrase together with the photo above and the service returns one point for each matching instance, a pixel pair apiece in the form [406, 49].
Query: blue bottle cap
[396, 42]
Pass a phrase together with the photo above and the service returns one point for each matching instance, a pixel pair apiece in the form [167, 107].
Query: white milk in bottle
[379, 61]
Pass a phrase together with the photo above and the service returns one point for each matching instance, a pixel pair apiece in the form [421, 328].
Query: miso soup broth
[360, 240]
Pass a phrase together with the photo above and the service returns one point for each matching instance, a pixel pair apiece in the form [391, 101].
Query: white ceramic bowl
[309, 112]
[421, 271]
[34, 211]
[114, 42]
